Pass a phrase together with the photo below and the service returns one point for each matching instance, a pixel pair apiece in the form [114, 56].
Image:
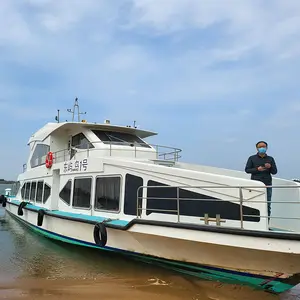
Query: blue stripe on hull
[72, 215]
[203, 272]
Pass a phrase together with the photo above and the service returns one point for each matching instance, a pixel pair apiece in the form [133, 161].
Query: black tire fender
[4, 202]
[40, 217]
[21, 206]
[100, 234]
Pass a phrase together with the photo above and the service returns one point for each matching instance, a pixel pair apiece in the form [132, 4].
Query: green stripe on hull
[184, 268]
[225, 277]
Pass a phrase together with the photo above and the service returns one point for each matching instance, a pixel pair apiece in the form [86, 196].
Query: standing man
[261, 166]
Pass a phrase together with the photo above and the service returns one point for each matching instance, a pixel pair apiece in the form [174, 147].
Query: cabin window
[120, 138]
[65, 193]
[39, 191]
[23, 191]
[132, 183]
[107, 195]
[80, 141]
[82, 193]
[39, 155]
[163, 200]
[33, 190]
[47, 192]
[27, 190]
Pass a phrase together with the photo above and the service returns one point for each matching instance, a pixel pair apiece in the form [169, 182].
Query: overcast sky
[211, 77]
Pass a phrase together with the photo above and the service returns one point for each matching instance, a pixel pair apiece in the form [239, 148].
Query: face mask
[262, 150]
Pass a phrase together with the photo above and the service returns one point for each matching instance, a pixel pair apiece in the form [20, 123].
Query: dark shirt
[256, 161]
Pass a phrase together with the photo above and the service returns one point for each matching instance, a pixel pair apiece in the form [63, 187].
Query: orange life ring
[49, 160]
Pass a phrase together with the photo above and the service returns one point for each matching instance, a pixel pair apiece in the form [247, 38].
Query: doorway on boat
[55, 189]
[71, 149]
[78, 142]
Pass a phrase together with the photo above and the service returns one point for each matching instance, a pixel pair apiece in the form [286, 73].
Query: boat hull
[203, 260]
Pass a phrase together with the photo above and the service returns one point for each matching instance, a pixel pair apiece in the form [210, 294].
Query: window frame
[31, 182]
[43, 162]
[89, 143]
[71, 194]
[139, 142]
[140, 200]
[43, 200]
[24, 190]
[27, 183]
[91, 192]
[120, 194]
[43, 183]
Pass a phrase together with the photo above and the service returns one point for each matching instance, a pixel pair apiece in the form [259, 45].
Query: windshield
[120, 138]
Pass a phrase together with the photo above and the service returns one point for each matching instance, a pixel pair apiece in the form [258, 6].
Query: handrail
[241, 207]
[135, 147]
[220, 186]
[240, 200]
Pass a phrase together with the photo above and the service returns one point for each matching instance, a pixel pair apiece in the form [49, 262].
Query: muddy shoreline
[126, 289]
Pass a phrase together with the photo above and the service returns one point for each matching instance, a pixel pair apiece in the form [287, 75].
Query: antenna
[57, 117]
[76, 105]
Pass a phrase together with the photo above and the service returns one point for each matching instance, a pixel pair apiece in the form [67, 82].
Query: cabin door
[55, 189]
[72, 150]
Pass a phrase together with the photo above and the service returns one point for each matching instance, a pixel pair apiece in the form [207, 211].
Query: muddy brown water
[33, 267]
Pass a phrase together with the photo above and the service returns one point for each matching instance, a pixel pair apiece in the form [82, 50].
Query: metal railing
[237, 197]
[162, 152]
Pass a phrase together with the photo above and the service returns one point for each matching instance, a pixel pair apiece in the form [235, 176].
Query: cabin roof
[51, 128]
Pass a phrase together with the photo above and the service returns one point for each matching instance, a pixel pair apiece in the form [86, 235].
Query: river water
[33, 267]
[3, 187]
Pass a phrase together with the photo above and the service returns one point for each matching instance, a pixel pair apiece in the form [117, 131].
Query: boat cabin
[99, 169]
[69, 140]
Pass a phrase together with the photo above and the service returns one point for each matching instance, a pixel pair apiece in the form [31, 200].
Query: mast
[76, 106]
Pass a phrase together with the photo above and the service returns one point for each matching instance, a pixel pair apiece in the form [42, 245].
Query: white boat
[103, 186]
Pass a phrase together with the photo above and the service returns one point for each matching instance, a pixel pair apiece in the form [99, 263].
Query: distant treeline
[3, 181]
